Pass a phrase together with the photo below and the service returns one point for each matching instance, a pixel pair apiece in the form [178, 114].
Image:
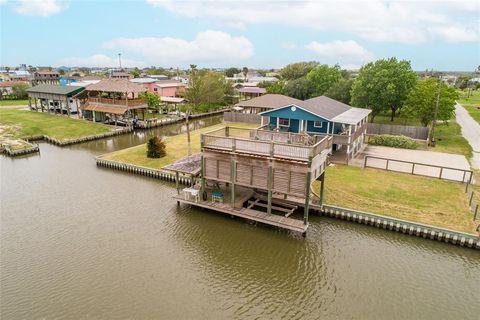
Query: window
[155, 89]
[283, 122]
[318, 124]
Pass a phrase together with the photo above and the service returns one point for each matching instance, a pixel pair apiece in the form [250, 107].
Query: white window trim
[284, 125]
[315, 124]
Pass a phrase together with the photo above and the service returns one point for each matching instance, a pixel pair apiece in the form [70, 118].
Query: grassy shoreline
[176, 148]
[420, 199]
[28, 123]
[22, 102]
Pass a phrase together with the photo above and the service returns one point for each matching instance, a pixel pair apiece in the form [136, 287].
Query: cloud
[207, 47]
[455, 34]
[42, 8]
[375, 20]
[100, 60]
[3, 2]
[343, 52]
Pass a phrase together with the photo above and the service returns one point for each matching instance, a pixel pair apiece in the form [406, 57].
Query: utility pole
[432, 140]
[120, 60]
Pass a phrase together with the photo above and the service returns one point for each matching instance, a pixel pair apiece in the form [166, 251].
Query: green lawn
[450, 140]
[448, 136]
[472, 104]
[13, 102]
[425, 200]
[176, 147]
[28, 123]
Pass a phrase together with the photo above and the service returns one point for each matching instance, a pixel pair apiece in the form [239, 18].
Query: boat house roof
[55, 89]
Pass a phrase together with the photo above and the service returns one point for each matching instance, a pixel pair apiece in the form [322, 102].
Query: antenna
[120, 60]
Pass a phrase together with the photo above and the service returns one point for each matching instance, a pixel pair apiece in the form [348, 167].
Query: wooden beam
[263, 205]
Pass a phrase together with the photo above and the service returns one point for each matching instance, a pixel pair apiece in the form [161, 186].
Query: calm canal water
[79, 241]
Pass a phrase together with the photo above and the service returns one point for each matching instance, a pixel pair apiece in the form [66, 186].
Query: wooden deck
[248, 213]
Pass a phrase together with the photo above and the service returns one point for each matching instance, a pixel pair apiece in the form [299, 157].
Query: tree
[135, 73]
[322, 78]
[230, 72]
[297, 70]
[156, 147]
[299, 88]
[341, 91]
[276, 87]
[421, 101]
[383, 85]
[19, 91]
[205, 88]
[245, 72]
[152, 99]
[61, 72]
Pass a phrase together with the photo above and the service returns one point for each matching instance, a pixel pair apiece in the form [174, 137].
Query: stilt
[322, 185]
[234, 173]
[307, 199]
[269, 187]
[177, 182]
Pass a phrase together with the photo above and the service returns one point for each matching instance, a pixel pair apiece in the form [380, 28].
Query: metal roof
[252, 90]
[55, 89]
[352, 116]
[172, 99]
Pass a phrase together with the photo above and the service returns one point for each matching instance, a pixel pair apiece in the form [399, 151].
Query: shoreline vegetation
[28, 124]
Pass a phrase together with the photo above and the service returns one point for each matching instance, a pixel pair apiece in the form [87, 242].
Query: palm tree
[245, 72]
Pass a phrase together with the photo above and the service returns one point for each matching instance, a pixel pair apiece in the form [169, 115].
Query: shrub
[156, 147]
[402, 142]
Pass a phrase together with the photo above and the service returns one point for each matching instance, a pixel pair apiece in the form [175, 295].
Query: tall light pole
[432, 141]
[120, 60]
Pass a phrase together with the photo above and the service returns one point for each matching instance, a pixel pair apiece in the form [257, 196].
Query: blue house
[322, 116]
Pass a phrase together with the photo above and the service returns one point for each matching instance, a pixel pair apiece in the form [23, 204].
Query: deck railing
[283, 145]
[122, 102]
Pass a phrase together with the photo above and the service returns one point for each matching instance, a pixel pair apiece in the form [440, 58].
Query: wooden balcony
[123, 102]
[284, 145]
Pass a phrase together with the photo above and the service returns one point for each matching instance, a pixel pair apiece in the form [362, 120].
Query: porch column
[261, 121]
[69, 113]
[278, 122]
[328, 127]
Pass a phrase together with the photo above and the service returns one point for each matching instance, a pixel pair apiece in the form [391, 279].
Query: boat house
[113, 101]
[54, 98]
[261, 175]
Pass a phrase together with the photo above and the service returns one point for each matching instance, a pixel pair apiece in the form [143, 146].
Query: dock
[244, 208]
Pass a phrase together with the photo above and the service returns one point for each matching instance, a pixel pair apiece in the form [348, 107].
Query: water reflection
[78, 241]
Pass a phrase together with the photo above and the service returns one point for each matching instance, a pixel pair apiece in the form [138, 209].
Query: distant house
[121, 75]
[266, 102]
[45, 77]
[251, 92]
[168, 88]
[6, 87]
[158, 77]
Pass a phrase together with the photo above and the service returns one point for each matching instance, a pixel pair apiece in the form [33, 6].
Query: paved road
[471, 132]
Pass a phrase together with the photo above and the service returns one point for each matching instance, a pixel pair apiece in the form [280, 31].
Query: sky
[439, 35]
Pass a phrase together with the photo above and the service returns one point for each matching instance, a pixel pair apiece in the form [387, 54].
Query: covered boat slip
[248, 205]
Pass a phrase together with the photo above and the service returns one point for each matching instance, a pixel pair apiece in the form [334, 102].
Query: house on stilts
[113, 101]
[259, 175]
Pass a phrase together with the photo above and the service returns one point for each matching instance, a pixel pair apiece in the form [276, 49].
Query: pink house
[164, 88]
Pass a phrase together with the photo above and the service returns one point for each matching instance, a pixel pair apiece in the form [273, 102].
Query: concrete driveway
[424, 159]
[471, 132]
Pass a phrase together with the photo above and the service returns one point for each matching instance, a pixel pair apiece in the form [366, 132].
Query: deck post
[322, 185]
[30, 103]
[177, 182]
[36, 105]
[269, 186]
[307, 192]
[202, 185]
[233, 175]
[67, 105]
